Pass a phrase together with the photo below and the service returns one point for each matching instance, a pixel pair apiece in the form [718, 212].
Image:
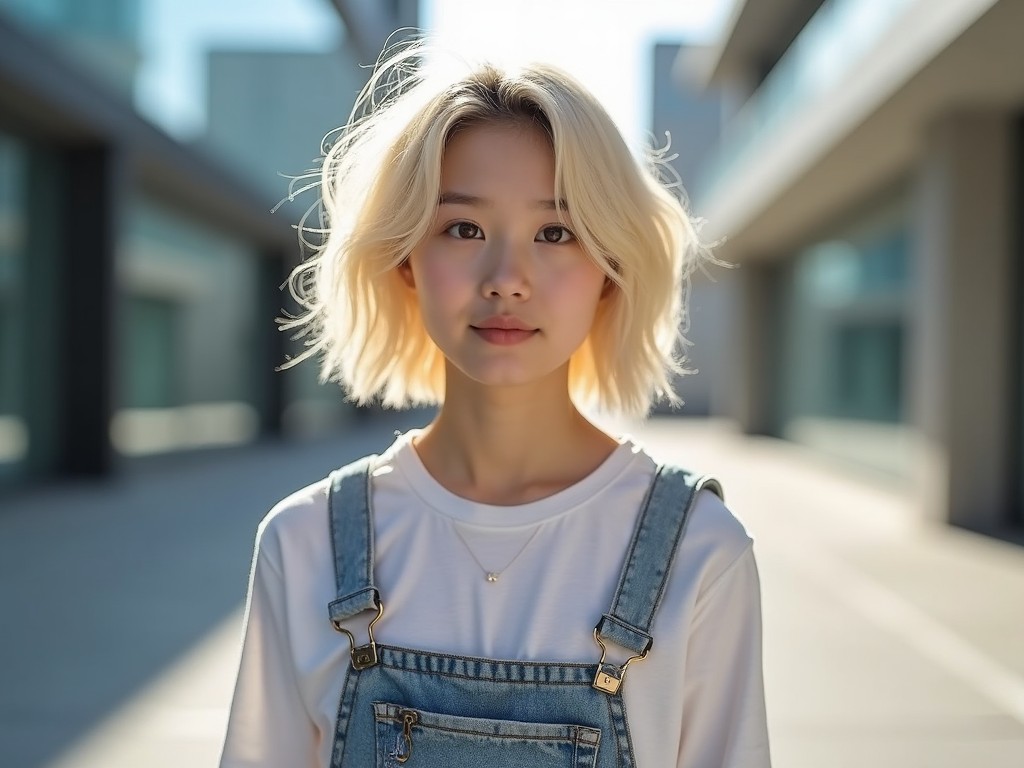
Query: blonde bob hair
[380, 183]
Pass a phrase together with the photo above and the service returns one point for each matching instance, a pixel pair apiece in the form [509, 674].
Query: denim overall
[402, 707]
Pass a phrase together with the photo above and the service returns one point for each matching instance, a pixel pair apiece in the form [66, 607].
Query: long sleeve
[269, 724]
[725, 720]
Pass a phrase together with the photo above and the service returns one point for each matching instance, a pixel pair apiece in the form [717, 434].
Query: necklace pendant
[492, 576]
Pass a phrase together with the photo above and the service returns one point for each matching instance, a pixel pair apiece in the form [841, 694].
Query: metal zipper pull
[409, 719]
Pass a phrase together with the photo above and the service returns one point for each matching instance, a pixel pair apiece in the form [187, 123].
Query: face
[504, 288]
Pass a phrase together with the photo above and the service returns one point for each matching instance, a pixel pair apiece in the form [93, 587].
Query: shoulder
[714, 537]
[715, 541]
[298, 521]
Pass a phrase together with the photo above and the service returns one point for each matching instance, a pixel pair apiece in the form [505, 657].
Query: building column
[92, 181]
[274, 268]
[961, 354]
[746, 377]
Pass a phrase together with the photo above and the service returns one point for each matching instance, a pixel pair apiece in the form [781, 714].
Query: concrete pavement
[888, 642]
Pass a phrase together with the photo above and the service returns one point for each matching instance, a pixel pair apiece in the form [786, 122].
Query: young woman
[508, 585]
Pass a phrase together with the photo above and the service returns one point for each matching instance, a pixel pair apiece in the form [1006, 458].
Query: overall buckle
[609, 677]
[363, 656]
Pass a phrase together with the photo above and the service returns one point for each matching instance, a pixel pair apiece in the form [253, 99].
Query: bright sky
[605, 43]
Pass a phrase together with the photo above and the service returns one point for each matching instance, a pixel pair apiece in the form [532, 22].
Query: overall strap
[348, 502]
[659, 530]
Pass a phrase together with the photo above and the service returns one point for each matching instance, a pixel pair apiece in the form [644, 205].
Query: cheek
[436, 277]
[441, 284]
[582, 282]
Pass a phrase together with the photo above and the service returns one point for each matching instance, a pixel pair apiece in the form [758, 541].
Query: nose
[506, 271]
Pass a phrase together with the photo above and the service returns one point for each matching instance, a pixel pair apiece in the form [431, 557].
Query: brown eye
[463, 230]
[555, 234]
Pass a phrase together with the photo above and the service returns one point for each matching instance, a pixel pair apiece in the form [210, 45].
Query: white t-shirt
[697, 700]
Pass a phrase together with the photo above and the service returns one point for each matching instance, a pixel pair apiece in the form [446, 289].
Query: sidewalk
[887, 642]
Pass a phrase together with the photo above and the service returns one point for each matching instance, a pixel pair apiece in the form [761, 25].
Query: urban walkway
[888, 641]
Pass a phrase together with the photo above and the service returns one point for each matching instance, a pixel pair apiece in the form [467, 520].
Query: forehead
[509, 154]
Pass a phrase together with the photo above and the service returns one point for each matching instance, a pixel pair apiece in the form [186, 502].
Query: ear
[608, 287]
[405, 272]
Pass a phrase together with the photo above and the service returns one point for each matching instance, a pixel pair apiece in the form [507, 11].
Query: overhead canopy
[755, 35]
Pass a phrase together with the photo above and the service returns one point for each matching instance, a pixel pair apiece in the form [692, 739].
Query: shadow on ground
[104, 585]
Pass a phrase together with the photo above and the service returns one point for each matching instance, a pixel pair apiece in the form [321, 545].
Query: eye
[555, 233]
[464, 230]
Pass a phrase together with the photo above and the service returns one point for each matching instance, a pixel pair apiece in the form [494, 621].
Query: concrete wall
[963, 361]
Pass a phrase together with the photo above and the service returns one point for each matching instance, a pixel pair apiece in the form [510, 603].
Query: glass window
[189, 345]
[868, 379]
[101, 35]
[842, 364]
[151, 329]
[14, 432]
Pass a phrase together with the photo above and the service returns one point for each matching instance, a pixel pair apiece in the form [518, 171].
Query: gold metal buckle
[363, 656]
[609, 677]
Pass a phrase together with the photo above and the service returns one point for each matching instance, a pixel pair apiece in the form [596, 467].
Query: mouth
[505, 323]
[504, 336]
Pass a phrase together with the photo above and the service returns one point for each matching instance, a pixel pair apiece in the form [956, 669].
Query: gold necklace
[489, 575]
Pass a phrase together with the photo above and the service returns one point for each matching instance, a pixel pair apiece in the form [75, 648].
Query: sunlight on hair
[380, 183]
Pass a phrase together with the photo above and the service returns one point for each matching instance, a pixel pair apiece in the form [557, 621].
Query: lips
[504, 323]
[504, 330]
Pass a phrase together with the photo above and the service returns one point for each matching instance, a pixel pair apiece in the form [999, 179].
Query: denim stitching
[339, 732]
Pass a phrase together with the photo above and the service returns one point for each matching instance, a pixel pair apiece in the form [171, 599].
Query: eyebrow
[459, 198]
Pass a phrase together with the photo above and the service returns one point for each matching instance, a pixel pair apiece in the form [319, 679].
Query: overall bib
[402, 707]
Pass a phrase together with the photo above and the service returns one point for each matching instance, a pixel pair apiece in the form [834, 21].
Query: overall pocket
[413, 738]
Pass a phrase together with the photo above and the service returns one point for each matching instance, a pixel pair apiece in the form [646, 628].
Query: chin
[506, 376]
[501, 380]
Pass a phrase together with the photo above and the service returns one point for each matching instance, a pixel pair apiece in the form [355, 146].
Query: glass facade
[191, 307]
[103, 18]
[843, 338]
[30, 307]
[14, 432]
[102, 35]
[836, 39]
[150, 352]
[188, 345]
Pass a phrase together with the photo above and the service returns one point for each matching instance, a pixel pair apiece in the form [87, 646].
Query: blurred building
[870, 185]
[269, 148]
[139, 277]
[686, 121]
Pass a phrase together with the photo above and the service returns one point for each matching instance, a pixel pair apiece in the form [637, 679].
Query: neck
[510, 445]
